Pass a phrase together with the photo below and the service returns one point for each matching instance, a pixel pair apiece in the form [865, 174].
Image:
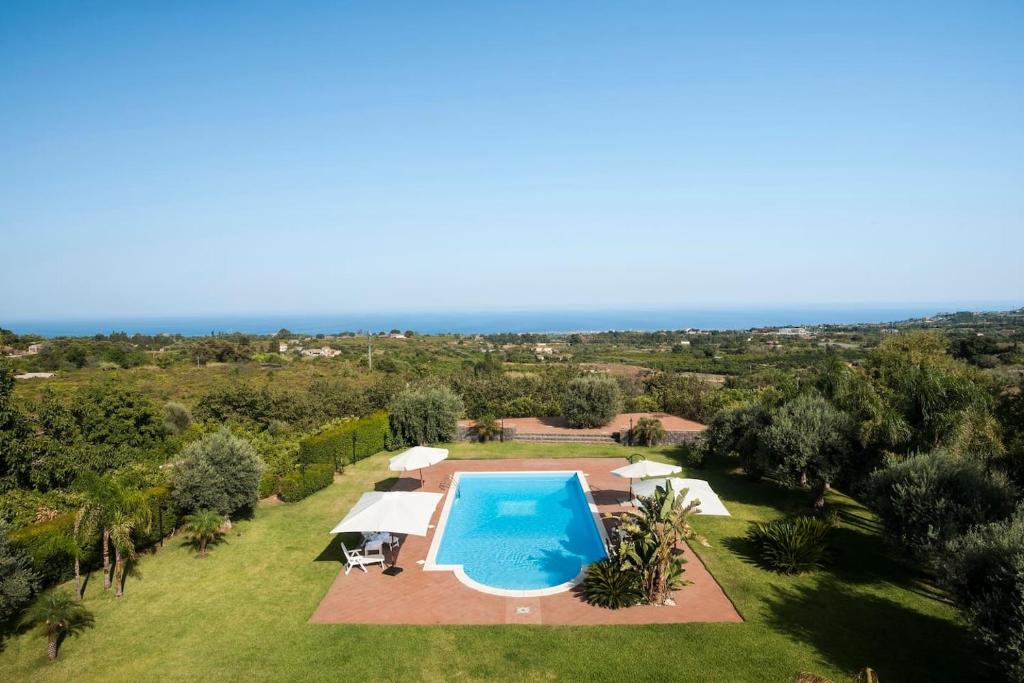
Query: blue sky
[203, 158]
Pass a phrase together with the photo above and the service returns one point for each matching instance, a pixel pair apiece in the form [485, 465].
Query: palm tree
[130, 512]
[74, 544]
[98, 493]
[649, 431]
[57, 615]
[203, 527]
[655, 529]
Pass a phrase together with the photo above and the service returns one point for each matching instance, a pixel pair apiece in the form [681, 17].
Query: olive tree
[220, 472]
[424, 416]
[808, 442]
[591, 401]
[984, 574]
[927, 499]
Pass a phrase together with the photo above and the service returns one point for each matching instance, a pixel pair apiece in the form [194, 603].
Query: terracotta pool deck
[416, 596]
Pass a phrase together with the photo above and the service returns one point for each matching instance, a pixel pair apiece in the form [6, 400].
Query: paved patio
[419, 597]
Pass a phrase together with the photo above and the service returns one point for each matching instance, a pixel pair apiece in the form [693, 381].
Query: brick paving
[419, 597]
[557, 425]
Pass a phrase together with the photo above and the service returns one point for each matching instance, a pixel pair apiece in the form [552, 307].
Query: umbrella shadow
[386, 484]
[332, 551]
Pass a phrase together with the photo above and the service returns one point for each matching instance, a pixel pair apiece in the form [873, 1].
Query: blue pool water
[520, 531]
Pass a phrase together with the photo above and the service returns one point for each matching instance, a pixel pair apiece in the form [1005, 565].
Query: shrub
[609, 584]
[642, 404]
[40, 541]
[984, 573]
[649, 431]
[736, 432]
[18, 582]
[176, 418]
[221, 472]
[349, 441]
[591, 401]
[695, 455]
[927, 499]
[792, 546]
[305, 481]
[424, 416]
[269, 482]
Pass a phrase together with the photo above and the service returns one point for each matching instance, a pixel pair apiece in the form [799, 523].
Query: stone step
[566, 438]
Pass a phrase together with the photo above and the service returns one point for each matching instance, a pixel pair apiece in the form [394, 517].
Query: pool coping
[431, 565]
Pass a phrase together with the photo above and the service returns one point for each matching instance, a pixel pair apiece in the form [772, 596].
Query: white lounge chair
[356, 558]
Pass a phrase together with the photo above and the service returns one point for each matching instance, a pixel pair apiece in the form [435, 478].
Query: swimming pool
[517, 533]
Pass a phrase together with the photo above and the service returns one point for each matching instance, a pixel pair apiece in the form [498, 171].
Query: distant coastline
[491, 322]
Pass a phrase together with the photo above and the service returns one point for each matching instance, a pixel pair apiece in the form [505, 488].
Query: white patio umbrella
[396, 512]
[416, 458]
[645, 468]
[710, 503]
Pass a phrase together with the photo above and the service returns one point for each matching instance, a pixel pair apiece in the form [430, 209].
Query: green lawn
[241, 613]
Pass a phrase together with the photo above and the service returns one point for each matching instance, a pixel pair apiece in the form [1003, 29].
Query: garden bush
[794, 545]
[305, 481]
[268, 484]
[18, 581]
[420, 417]
[984, 573]
[347, 442]
[220, 472]
[927, 499]
[591, 401]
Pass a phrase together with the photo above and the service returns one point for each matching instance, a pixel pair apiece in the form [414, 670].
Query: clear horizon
[210, 160]
[494, 321]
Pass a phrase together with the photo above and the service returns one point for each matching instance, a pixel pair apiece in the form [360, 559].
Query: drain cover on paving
[522, 610]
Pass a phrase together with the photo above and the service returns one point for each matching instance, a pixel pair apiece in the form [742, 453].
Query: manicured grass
[241, 613]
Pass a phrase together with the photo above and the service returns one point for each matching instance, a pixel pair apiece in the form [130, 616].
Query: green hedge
[268, 484]
[304, 481]
[335, 445]
[55, 565]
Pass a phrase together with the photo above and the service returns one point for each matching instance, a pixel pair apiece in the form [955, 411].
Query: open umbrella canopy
[710, 503]
[646, 468]
[396, 512]
[416, 458]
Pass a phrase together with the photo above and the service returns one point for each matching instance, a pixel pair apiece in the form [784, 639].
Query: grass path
[241, 613]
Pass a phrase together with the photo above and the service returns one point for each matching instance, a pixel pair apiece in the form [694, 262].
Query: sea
[491, 322]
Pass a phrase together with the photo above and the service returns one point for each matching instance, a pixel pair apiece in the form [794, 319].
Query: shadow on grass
[332, 551]
[388, 484]
[852, 629]
[210, 545]
[854, 558]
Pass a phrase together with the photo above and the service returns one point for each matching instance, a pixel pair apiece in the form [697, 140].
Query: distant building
[34, 349]
[543, 349]
[282, 347]
[397, 335]
[34, 375]
[323, 352]
[792, 332]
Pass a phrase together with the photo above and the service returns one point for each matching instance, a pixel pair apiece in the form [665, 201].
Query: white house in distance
[282, 347]
[322, 352]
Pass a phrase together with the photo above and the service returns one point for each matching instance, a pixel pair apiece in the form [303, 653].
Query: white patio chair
[356, 558]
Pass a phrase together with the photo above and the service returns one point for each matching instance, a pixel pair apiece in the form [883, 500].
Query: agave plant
[792, 546]
[57, 615]
[612, 582]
